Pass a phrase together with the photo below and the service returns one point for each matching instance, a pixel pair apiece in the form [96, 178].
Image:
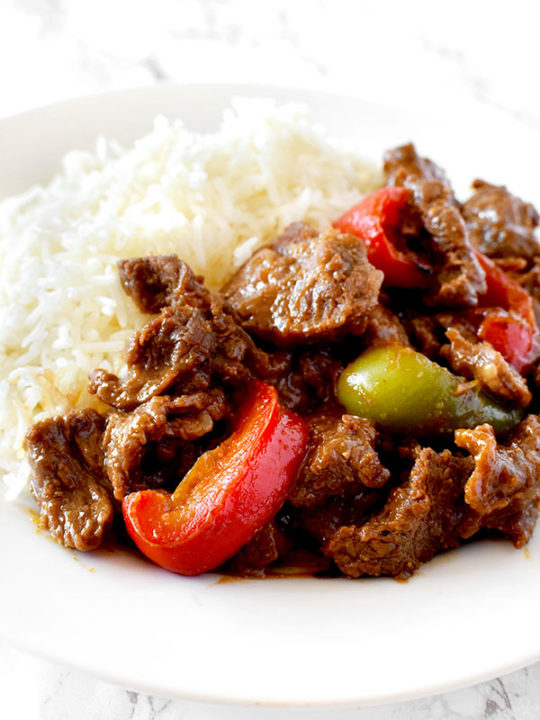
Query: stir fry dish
[354, 400]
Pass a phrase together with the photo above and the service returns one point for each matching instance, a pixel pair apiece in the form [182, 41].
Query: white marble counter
[459, 55]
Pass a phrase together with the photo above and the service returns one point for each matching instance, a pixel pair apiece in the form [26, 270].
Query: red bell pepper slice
[515, 333]
[511, 337]
[229, 494]
[376, 220]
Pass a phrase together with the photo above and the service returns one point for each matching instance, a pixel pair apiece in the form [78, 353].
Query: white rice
[210, 198]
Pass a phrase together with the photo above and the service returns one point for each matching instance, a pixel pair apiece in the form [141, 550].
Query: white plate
[467, 616]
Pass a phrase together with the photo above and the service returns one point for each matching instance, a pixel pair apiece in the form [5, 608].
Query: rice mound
[209, 198]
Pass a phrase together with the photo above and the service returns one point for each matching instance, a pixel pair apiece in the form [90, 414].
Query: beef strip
[500, 224]
[341, 457]
[384, 327]
[295, 233]
[460, 279]
[305, 288]
[268, 545]
[154, 426]
[153, 282]
[405, 168]
[350, 508]
[424, 333]
[467, 323]
[419, 519]
[427, 332]
[67, 479]
[482, 362]
[503, 492]
[530, 281]
[304, 379]
[180, 350]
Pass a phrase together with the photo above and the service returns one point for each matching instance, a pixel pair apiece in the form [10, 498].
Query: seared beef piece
[322, 521]
[304, 288]
[297, 232]
[420, 518]
[384, 327]
[482, 362]
[157, 425]
[503, 492]
[341, 457]
[268, 545]
[427, 332]
[282, 372]
[407, 451]
[460, 279]
[499, 223]
[530, 280]
[153, 282]
[174, 348]
[67, 478]
[183, 347]
[164, 463]
[304, 380]
[423, 331]
[404, 167]
[467, 324]
[319, 370]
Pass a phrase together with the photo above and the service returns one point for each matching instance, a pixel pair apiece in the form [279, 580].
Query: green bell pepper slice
[404, 392]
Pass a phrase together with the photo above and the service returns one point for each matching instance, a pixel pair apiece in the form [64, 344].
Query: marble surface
[446, 57]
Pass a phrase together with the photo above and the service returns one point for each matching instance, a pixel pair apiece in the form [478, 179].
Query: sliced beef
[500, 224]
[350, 508]
[67, 478]
[155, 281]
[175, 348]
[503, 492]
[460, 279]
[295, 233]
[482, 362]
[424, 333]
[341, 458]
[459, 275]
[319, 370]
[405, 168]
[530, 281]
[304, 288]
[145, 447]
[420, 518]
[305, 379]
[384, 327]
[268, 545]
[181, 350]
[467, 323]
[427, 332]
